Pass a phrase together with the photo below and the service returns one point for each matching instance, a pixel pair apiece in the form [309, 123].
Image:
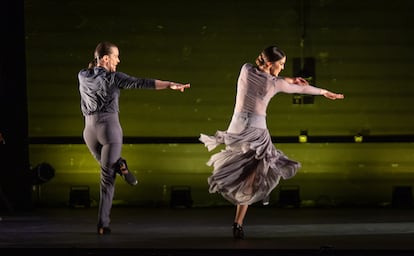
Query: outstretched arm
[331, 95]
[296, 80]
[160, 85]
[285, 87]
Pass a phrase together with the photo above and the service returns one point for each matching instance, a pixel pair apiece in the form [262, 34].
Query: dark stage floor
[207, 231]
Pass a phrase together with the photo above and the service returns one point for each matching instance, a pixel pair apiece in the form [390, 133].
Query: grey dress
[250, 166]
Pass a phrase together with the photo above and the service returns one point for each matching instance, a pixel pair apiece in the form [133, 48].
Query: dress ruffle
[249, 167]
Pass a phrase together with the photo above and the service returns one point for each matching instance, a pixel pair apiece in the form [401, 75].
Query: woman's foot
[104, 231]
[238, 231]
[122, 169]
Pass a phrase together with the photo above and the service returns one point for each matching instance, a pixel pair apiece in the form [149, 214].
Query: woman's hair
[269, 54]
[102, 49]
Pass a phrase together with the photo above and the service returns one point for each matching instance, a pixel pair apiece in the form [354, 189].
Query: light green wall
[347, 173]
[362, 49]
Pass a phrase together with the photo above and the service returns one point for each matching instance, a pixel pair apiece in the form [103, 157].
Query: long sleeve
[283, 86]
[125, 81]
[100, 90]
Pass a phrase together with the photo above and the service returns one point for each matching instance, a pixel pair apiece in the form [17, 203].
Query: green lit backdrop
[363, 49]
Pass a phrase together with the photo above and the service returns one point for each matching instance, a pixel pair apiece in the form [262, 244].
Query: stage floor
[207, 231]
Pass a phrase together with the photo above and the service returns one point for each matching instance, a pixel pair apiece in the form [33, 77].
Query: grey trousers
[103, 136]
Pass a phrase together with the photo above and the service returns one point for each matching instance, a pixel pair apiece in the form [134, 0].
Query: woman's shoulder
[247, 65]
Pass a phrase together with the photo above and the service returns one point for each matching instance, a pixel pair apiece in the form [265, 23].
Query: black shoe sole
[104, 231]
[238, 232]
[121, 165]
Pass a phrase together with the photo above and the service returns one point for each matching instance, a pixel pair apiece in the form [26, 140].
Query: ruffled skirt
[250, 166]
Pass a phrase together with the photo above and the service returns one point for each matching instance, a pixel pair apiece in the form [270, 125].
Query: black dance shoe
[104, 231]
[238, 231]
[121, 168]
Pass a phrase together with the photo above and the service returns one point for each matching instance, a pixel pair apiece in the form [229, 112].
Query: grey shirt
[100, 89]
[256, 88]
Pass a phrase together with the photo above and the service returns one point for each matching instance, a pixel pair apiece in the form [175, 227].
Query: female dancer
[250, 167]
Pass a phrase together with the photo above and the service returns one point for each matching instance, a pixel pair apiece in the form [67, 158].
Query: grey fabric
[256, 88]
[100, 90]
[250, 166]
[103, 137]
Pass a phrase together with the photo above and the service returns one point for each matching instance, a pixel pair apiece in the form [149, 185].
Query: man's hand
[177, 86]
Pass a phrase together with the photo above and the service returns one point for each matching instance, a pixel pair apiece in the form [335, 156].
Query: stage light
[181, 197]
[79, 197]
[289, 196]
[42, 173]
[402, 197]
[358, 138]
[303, 136]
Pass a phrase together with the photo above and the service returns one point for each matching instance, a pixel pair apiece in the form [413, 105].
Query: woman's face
[277, 67]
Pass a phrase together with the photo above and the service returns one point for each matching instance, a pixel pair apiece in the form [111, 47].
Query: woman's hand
[331, 95]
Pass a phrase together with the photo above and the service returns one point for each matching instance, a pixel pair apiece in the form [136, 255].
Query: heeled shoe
[238, 232]
[104, 231]
[122, 169]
